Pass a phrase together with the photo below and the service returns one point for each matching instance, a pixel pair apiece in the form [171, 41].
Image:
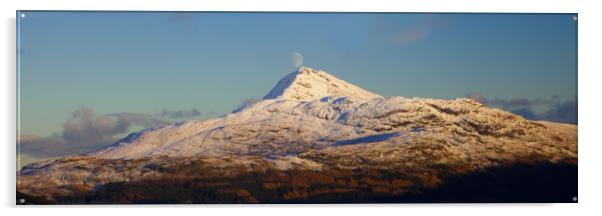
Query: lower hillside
[259, 180]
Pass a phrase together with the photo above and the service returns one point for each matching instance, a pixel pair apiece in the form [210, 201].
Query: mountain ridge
[303, 115]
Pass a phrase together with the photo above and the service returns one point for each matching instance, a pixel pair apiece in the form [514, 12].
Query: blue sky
[178, 66]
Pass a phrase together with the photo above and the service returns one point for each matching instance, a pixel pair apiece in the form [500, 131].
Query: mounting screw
[21, 201]
[574, 18]
[574, 199]
[23, 15]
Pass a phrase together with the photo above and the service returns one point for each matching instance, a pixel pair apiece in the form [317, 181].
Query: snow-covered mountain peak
[312, 110]
[306, 84]
[312, 121]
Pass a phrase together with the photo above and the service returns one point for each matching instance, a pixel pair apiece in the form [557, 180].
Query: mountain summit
[308, 84]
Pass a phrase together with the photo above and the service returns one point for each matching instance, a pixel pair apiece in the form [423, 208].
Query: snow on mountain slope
[311, 110]
[298, 94]
[307, 84]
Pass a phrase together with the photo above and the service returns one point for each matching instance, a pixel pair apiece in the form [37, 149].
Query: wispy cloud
[180, 114]
[557, 111]
[245, 103]
[185, 20]
[179, 17]
[476, 97]
[390, 31]
[84, 132]
[562, 112]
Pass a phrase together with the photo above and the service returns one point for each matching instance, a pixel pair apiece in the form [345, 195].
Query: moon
[297, 59]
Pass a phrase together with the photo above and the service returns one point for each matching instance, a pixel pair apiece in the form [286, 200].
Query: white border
[589, 102]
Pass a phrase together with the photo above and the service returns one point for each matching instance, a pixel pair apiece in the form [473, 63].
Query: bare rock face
[314, 121]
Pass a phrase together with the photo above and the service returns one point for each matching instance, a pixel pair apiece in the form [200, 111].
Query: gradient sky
[134, 62]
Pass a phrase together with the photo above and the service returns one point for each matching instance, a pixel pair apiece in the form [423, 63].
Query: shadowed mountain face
[315, 138]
